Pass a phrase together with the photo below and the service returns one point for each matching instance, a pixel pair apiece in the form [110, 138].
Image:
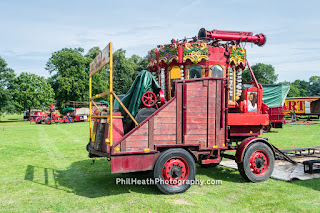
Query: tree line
[69, 74]
[68, 81]
[265, 74]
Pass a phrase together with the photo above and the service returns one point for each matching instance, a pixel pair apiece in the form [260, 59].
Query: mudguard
[246, 142]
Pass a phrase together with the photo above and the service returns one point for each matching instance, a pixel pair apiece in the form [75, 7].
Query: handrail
[99, 95]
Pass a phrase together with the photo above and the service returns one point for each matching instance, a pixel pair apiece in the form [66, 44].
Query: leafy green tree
[314, 86]
[31, 91]
[264, 73]
[69, 70]
[7, 77]
[69, 75]
[126, 70]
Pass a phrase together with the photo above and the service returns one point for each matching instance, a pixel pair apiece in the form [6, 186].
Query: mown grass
[44, 168]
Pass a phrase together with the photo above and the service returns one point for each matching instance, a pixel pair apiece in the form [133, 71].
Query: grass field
[44, 168]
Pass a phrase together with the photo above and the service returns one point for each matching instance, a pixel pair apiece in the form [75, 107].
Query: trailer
[303, 106]
[195, 112]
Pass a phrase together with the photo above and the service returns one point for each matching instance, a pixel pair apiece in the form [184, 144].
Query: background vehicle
[303, 106]
[274, 96]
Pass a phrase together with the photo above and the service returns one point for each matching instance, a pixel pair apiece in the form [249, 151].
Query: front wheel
[257, 163]
[174, 171]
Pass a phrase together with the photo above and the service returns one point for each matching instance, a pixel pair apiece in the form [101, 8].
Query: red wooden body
[184, 121]
[276, 117]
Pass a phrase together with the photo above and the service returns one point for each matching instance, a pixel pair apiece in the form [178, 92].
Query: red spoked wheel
[259, 162]
[149, 99]
[175, 171]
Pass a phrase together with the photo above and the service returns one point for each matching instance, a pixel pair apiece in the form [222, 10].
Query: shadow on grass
[221, 173]
[85, 179]
[313, 184]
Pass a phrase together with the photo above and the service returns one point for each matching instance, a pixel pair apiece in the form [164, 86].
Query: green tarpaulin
[132, 100]
[116, 103]
[274, 95]
[65, 110]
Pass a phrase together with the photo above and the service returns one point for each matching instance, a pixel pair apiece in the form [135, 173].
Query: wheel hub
[259, 162]
[175, 170]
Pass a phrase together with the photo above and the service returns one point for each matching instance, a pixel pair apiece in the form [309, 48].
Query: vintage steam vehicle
[50, 116]
[205, 112]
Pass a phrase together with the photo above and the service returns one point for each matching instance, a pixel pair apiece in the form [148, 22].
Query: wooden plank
[179, 114]
[165, 131]
[196, 109]
[195, 114]
[166, 114]
[196, 131]
[164, 137]
[159, 128]
[123, 145]
[196, 126]
[151, 133]
[211, 114]
[200, 120]
[196, 104]
[218, 113]
[137, 144]
[161, 142]
[197, 99]
[137, 138]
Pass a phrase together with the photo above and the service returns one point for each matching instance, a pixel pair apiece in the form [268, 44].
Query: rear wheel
[174, 170]
[257, 163]
[266, 128]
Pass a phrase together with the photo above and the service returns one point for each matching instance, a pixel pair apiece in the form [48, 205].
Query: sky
[32, 30]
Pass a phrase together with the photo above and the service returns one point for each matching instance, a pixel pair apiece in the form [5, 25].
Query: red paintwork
[132, 162]
[175, 170]
[259, 162]
[276, 117]
[259, 39]
[245, 143]
[149, 99]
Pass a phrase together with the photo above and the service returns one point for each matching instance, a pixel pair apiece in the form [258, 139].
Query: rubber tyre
[143, 114]
[164, 157]
[244, 166]
[266, 128]
[48, 120]
[37, 120]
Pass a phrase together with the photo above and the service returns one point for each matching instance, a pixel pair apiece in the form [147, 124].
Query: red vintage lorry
[193, 113]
